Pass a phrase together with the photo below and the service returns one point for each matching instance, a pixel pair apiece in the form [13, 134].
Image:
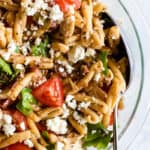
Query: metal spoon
[108, 23]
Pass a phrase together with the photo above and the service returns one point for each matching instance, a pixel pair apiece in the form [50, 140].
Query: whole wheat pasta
[78, 127]
[90, 115]
[61, 74]
[17, 137]
[33, 128]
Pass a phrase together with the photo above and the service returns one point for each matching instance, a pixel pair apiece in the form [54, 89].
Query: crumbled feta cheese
[7, 119]
[56, 14]
[97, 77]
[69, 68]
[19, 67]
[83, 105]
[11, 49]
[79, 118]
[41, 21]
[29, 143]
[33, 7]
[71, 9]
[91, 148]
[61, 69]
[65, 111]
[22, 126]
[90, 52]
[9, 129]
[59, 146]
[6, 56]
[76, 54]
[24, 50]
[57, 125]
[38, 41]
[52, 53]
[71, 102]
[93, 131]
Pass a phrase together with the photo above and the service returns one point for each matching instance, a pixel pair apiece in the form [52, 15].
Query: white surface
[142, 141]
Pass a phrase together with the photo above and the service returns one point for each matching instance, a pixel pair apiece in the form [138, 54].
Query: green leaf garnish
[103, 58]
[100, 138]
[50, 147]
[40, 50]
[45, 135]
[5, 67]
[27, 99]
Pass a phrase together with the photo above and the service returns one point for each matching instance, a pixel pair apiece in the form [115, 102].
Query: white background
[142, 141]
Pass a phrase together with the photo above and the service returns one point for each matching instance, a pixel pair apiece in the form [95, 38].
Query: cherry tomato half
[50, 93]
[17, 146]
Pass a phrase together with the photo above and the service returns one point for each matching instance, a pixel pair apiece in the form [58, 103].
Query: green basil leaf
[27, 99]
[5, 67]
[22, 109]
[41, 49]
[100, 138]
[50, 147]
[45, 135]
[103, 58]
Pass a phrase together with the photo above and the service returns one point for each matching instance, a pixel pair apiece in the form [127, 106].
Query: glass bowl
[135, 99]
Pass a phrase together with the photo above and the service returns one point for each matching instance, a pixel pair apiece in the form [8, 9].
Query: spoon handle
[115, 131]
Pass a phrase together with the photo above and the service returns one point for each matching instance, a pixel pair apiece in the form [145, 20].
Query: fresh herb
[27, 99]
[103, 58]
[50, 147]
[45, 135]
[40, 50]
[97, 136]
[5, 67]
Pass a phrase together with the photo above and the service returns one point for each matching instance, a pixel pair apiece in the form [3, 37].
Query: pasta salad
[62, 68]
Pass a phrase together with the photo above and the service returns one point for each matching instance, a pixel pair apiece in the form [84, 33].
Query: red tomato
[50, 92]
[65, 4]
[18, 146]
[111, 119]
[18, 118]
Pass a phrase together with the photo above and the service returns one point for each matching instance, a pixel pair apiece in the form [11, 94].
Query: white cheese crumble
[61, 69]
[57, 125]
[68, 67]
[76, 54]
[79, 118]
[97, 77]
[71, 102]
[22, 126]
[38, 41]
[9, 129]
[83, 105]
[33, 7]
[52, 53]
[65, 111]
[29, 143]
[7, 119]
[90, 52]
[56, 14]
[11, 46]
[11, 49]
[59, 146]
[19, 67]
